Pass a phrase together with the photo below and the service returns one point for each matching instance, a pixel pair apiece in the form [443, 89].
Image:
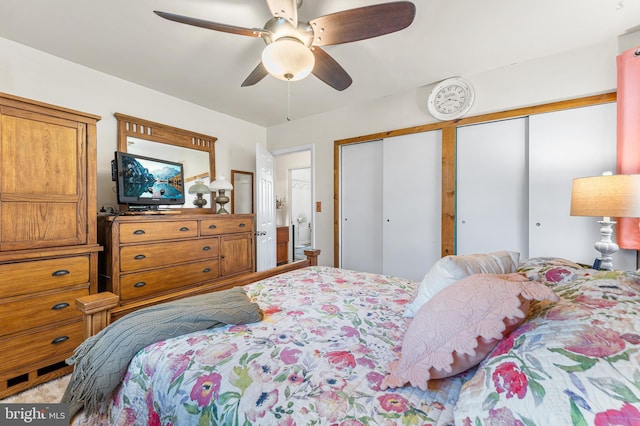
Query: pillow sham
[461, 324]
[450, 269]
[573, 363]
[553, 270]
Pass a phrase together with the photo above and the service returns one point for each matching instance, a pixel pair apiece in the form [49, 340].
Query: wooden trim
[448, 220]
[158, 132]
[336, 203]
[48, 252]
[232, 177]
[449, 129]
[101, 309]
[44, 108]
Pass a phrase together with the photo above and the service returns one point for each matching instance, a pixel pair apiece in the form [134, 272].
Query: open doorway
[300, 190]
[294, 189]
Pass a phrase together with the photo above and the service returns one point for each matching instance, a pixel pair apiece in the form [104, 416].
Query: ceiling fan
[294, 47]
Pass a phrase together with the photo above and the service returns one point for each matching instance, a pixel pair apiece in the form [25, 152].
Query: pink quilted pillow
[461, 324]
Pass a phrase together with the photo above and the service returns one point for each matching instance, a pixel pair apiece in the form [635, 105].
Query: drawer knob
[212, 226]
[60, 272]
[139, 257]
[139, 232]
[59, 306]
[206, 248]
[206, 270]
[59, 340]
[140, 284]
[242, 225]
[184, 229]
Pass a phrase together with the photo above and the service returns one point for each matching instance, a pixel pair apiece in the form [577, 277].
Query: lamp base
[199, 202]
[606, 246]
[222, 199]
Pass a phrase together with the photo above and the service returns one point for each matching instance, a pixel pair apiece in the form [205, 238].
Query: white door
[411, 212]
[514, 184]
[564, 145]
[265, 210]
[492, 187]
[361, 206]
[390, 197]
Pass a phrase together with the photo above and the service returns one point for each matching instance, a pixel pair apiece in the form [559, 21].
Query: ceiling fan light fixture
[288, 59]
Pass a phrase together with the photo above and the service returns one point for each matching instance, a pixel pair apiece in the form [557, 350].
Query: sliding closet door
[361, 206]
[565, 145]
[411, 213]
[491, 187]
[390, 201]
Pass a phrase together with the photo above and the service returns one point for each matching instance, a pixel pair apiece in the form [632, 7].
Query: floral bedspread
[575, 362]
[317, 358]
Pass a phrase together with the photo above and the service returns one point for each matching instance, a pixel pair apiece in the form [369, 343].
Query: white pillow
[450, 269]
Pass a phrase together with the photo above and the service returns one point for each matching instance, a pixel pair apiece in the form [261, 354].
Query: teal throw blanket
[101, 361]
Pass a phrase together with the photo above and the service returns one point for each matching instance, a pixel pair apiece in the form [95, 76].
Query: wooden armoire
[48, 237]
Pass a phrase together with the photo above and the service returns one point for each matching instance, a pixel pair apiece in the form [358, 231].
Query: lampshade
[220, 183]
[199, 188]
[606, 196]
[288, 59]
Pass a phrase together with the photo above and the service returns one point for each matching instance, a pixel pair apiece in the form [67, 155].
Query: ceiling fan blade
[330, 71]
[251, 32]
[256, 75]
[362, 23]
[287, 9]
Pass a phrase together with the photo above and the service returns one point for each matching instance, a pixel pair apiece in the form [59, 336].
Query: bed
[331, 343]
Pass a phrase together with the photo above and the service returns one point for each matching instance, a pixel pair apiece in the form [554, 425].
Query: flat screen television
[147, 183]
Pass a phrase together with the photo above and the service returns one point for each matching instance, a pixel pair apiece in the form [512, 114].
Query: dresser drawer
[225, 226]
[151, 283]
[25, 313]
[145, 256]
[40, 348]
[39, 275]
[155, 231]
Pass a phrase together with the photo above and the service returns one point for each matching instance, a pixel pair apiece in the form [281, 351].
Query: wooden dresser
[153, 255]
[282, 245]
[48, 241]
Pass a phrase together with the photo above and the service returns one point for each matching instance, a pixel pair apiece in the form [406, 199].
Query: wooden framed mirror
[194, 150]
[242, 194]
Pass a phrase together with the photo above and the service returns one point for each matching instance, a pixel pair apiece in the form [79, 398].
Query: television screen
[148, 182]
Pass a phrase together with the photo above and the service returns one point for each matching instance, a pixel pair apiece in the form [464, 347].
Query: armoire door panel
[38, 162]
[492, 190]
[42, 181]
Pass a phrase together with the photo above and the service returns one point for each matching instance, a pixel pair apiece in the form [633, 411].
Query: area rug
[49, 392]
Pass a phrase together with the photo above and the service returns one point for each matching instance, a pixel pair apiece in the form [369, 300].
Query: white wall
[32, 74]
[573, 74]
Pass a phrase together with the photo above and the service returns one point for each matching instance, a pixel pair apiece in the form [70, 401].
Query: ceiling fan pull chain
[289, 100]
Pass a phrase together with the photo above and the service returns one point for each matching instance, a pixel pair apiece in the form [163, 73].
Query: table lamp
[199, 188]
[607, 196]
[221, 185]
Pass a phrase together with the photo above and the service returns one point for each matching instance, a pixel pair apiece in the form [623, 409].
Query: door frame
[312, 162]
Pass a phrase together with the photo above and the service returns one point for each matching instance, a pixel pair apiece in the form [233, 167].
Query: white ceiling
[448, 38]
